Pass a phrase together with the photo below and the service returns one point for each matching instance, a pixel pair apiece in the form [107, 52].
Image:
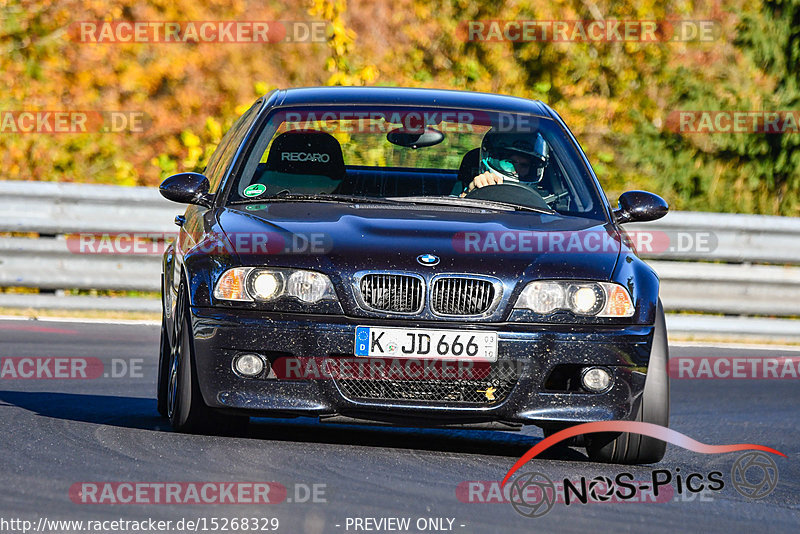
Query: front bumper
[534, 349]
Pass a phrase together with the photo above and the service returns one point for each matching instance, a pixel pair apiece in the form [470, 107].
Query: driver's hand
[482, 180]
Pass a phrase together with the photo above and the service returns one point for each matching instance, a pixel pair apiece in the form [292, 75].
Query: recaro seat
[303, 162]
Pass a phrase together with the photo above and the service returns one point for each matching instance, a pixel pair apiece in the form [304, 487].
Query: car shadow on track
[140, 413]
[489, 442]
[129, 412]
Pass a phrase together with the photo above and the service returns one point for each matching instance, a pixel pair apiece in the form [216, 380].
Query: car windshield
[410, 155]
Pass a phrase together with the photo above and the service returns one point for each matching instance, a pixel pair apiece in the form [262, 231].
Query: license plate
[422, 343]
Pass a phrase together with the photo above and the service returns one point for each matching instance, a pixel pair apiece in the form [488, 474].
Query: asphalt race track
[57, 433]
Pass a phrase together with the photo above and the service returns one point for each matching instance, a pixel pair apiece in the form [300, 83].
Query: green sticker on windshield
[254, 190]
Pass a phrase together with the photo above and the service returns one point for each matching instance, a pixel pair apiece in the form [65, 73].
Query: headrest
[307, 152]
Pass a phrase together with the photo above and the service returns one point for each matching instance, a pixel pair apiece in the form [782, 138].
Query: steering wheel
[511, 193]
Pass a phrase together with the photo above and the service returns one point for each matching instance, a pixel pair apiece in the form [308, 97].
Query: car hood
[342, 239]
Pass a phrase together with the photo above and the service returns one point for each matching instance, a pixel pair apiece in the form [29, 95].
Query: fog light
[596, 379]
[248, 365]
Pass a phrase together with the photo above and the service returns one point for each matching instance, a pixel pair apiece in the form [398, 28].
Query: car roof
[404, 96]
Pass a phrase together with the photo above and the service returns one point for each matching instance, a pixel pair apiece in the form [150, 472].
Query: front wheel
[186, 409]
[163, 361]
[629, 448]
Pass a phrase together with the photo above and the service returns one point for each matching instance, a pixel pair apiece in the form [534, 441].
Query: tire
[186, 409]
[163, 362]
[628, 448]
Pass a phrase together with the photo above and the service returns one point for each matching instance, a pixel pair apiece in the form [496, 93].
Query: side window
[221, 159]
[211, 171]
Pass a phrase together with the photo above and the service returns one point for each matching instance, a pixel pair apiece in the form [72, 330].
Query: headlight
[596, 299]
[263, 285]
[587, 299]
[309, 286]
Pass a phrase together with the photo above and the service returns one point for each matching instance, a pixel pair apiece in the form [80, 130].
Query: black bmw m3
[411, 257]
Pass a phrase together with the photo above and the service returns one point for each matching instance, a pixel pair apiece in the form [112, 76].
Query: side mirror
[186, 188]
[640, 206]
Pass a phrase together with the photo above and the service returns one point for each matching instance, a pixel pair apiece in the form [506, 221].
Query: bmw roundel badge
[428, 259]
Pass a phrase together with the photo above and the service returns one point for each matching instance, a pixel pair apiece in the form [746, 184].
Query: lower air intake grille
[492, 388]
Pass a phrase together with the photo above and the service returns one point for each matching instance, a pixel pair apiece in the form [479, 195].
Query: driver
[510, 157]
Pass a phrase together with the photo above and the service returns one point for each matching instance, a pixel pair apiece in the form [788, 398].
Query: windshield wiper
[325, 197]
[471, 202]
[354, 199]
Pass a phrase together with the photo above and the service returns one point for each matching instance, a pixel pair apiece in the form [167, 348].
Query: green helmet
[498, 151]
